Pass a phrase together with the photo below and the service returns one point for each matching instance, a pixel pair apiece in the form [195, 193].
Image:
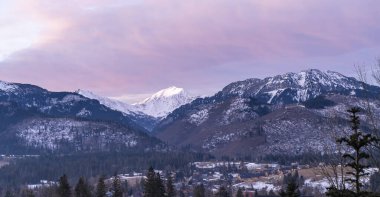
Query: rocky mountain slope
[294, 113]
[33, 119]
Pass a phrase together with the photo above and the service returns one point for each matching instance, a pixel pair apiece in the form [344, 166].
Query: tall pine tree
[199, 191]
[101, 188]
[82, 189]
[149, 183]
[239, 193]
[27, 193]
[170, 191]
[357, 157]
[291, 189]
[159, 184]
[153, 186]
[116, 187]
[222, 192]
[63, 189]
[8, 194]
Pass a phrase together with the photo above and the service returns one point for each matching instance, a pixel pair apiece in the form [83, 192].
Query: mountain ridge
[264, 115]
[29, 114]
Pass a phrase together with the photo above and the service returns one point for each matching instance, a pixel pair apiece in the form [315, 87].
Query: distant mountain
[150, 111]
[163, 102]
[293, 113]
[138, 117]
[33, 119]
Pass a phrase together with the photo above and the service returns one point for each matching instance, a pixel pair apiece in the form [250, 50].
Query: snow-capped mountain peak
[158, 105]
[163, 102]
[164, 93]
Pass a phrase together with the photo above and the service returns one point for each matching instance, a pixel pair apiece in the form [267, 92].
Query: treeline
[49, 167]
[153, 184]
[115, 187]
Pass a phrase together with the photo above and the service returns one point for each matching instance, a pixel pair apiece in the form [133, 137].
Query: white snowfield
[163, 102]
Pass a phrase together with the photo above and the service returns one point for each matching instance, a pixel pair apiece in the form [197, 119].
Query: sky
[128, 49]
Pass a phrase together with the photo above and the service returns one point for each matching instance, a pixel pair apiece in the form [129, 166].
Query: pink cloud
[114, 48]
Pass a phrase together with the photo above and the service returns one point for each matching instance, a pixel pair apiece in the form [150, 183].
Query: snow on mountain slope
[113, 104]
[293, 87]
[158, 105]
[163, 102]
[4, 86]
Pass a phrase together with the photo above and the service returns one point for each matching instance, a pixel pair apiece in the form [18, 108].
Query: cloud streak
[114, 48]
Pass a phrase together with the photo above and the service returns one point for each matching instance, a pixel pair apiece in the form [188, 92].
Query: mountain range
[293, 113]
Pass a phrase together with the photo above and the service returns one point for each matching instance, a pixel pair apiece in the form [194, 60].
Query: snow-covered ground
[258, 185]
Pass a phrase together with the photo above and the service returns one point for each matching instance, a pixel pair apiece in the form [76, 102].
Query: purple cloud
[139, 47]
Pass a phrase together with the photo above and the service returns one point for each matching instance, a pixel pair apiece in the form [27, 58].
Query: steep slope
[163, 102]
[294, 113]
[111, 103]
[57, 116]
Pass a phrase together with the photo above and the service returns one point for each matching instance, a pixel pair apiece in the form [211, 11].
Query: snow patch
[259, 185]
[199, 117]
[274, 93]
[72, 98]
[83, 113]
[302, 79]
[4, 86]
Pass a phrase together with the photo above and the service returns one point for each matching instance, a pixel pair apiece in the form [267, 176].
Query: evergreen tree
[8, 194]
[222, 192]
[153, 186]
[357, 142]
[116, 187]
[239, 193]
[101, 189]
[64, 189]
[199, 191]
[170, 191]
[125, 187]
[82, 189]
[291, 189]
[160, 188]
[27, 193]
[149, 184]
